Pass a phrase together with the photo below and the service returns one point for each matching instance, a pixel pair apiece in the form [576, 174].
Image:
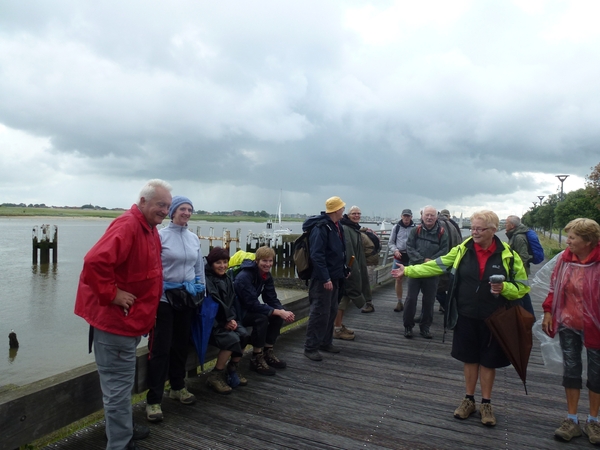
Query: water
[37, 302]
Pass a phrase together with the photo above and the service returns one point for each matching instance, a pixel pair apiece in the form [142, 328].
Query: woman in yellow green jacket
[473, 298]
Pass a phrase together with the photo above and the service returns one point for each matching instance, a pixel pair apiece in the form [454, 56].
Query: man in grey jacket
[426, 242]
[516, 233]
[397, 246]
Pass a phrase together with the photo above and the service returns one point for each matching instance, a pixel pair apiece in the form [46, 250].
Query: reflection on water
[12, 354]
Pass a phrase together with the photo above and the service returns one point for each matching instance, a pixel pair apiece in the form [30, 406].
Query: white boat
[280, 231]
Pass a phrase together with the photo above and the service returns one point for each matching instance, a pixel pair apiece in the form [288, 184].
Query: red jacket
[574, 296]
[127, 256]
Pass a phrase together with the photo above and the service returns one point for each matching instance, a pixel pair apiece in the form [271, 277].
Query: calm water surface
[37, 302]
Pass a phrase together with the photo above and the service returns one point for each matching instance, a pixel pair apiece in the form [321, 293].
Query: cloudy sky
[390, 104]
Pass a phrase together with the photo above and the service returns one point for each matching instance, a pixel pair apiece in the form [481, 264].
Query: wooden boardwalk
[381, 392]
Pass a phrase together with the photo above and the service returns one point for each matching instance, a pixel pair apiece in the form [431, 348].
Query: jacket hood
[315, 220]
[594, 256]
[411, 224]
[346, 221]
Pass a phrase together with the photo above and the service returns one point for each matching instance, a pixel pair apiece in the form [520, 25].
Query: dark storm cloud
[425, 103]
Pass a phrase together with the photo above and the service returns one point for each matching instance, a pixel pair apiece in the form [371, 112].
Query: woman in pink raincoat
[572, 309]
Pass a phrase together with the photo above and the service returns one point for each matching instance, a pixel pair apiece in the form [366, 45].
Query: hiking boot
[216, 381]
[273, 360]
[313, 355]
[140, 432]
[368, 308]
[465, 409]
[347, 330]
[154, 413]
[183, 395]
[567, 430]
[426, 334]
[343, 334]
[260, 366]
[399, 306]
[592, 431]
[408, 332]
[330, 348]
[487, 415]
[234, 368]
[132, 445]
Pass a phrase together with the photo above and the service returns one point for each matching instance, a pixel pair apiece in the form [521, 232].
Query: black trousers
[265, 329]
[168, 348]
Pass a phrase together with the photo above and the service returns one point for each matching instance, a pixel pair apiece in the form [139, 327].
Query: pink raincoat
[574, 296]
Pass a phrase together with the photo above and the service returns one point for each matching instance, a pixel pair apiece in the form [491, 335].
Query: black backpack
[301, 254]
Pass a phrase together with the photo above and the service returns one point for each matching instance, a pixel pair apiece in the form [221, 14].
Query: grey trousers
[428, 286]
[115, 358]
[323, 309]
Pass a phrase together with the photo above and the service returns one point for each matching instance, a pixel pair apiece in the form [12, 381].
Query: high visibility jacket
[514, 287]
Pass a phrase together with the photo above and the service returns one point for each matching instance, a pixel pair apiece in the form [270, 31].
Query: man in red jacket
[118, 294]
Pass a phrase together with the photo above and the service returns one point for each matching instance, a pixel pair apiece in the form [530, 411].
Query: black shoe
[426, 334]
[330, 348]
[133, 446]
[140, 432]
[408, 332]
[313, 355]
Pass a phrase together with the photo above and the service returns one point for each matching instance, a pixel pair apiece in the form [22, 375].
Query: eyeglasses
[479, 230]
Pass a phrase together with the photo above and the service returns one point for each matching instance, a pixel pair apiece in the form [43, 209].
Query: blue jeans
[115, 358]
[323, 309]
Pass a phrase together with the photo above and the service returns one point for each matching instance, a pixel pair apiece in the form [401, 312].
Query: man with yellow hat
[328, 257]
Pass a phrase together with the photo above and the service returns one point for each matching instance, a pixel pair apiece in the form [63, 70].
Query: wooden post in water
[44, 243]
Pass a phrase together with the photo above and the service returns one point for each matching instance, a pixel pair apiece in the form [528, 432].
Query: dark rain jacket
[249, 285]
[327, 248]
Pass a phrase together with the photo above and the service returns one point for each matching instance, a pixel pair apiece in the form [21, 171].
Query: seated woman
[571, 310]
[227, 335]
[254, 280]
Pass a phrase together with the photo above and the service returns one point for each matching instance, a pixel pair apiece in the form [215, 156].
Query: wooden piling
[44, 242]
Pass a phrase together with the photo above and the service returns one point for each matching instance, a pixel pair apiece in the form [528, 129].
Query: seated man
[253, 280]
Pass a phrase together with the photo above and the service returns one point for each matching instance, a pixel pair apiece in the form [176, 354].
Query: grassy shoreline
[11, 211]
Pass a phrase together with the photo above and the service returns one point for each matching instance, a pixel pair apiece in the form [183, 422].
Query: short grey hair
[149, 189]
[429, 207]
[354, 208]
[515, 220]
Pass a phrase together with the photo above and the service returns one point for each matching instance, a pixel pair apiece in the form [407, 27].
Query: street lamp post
[541, 197]
[534, 204]
[562, 179]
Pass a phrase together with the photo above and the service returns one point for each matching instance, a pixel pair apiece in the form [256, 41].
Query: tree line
[554, 213]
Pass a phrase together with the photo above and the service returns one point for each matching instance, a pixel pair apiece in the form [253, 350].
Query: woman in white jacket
[183, 274]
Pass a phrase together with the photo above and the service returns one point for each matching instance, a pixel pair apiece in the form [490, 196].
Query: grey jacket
[399, 236]
[423, 243]
[517, 239]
